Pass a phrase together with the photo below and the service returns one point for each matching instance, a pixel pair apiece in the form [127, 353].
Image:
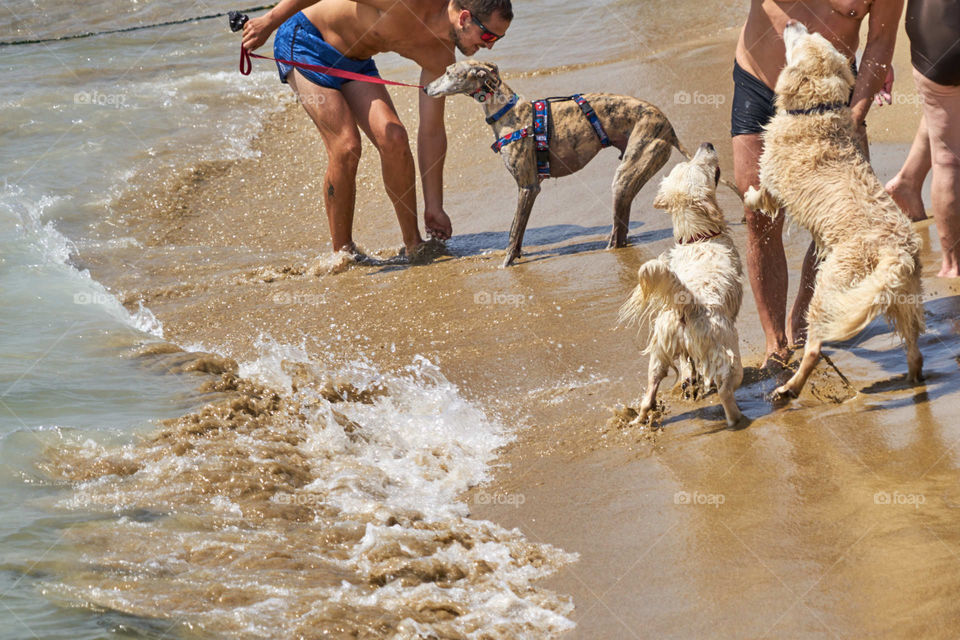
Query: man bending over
[346, 34]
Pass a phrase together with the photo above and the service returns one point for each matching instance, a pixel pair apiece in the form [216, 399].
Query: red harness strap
[246, 65]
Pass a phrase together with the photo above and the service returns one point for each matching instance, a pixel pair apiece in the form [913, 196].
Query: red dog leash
[246, 65]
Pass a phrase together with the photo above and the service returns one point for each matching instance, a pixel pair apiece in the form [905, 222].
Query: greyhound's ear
[494, 68]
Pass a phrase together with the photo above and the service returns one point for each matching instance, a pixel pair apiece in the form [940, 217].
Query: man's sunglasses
[486, 35]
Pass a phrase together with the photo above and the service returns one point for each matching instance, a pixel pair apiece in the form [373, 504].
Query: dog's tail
[689, 156]
[658, 289]
[848, 314]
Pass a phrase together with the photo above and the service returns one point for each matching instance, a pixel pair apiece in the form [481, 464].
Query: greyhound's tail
[689, 156]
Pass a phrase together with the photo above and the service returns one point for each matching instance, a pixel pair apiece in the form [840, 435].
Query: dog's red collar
[699, 238]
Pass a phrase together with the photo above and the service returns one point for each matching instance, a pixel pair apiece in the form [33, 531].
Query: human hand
[255, 32]
[438, 224]
[885, 95]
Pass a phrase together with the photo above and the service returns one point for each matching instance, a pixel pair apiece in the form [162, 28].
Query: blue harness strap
[541, 135]
[541, 129]
[519, 134]
[592, 117]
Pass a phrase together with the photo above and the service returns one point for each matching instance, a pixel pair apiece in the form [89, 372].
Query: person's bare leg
[905, 187]
[330, 112]
[797, 324]
[941, 108]
[766, 259]
[376, 115]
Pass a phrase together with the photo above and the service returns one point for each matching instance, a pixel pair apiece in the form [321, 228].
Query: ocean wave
[312, 499]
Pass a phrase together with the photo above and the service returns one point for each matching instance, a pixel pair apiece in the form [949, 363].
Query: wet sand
[833, 516]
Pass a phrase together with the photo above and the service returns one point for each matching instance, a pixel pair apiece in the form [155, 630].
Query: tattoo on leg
[330, 190]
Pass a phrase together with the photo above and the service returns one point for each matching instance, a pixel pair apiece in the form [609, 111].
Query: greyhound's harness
[542, 127]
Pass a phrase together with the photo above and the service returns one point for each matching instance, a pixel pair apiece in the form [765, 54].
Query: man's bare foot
[949, 271]
[907, 198]
[777, 361]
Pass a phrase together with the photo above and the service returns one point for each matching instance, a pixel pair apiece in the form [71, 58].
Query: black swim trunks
[934, 30]
[754, 102]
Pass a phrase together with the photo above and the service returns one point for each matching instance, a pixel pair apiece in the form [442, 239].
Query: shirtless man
[346, 34]
[759, 60]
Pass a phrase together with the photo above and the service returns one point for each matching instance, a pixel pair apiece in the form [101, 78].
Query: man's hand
[438, 224]
[255, 32]
[885, 95]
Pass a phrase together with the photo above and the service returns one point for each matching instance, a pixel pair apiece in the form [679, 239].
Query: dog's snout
[791, 23]
[706, 146]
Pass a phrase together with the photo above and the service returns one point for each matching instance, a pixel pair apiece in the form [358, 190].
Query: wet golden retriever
[690, 296]
[811, 165]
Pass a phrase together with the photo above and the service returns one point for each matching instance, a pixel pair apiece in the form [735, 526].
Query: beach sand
[835, 515]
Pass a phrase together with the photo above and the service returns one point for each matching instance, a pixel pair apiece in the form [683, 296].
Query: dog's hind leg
[907, 318]
[642, 159]
[525, 200]
[811, 356]
[656, 373]
[727, 386]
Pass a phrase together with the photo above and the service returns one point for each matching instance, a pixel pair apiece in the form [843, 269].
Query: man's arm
[431, 152]
[884, 20]
[257, 30]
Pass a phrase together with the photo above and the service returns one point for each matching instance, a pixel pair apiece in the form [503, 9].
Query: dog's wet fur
[638, 129]
[813, 168]
[690, 296]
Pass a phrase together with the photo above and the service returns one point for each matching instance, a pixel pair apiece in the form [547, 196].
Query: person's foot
[907, 198]
[777, 361]
[949, 271]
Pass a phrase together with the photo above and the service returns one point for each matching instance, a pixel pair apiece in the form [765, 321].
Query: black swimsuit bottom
[934, 30]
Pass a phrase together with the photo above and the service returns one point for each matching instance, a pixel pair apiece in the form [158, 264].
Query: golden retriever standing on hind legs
[691, 295]
[812, 166]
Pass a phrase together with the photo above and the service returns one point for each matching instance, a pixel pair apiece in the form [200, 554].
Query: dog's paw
[782, 395]
[751, 199]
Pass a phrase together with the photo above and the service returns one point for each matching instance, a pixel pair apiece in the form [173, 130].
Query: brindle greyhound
[638, 129]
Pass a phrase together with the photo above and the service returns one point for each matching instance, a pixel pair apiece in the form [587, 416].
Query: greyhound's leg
[656, 373]
[525, 200]
[641, 160]
[811, 355]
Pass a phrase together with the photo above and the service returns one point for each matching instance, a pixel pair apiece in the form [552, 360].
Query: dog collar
[820, 108]
[699, 238]
[503, 111]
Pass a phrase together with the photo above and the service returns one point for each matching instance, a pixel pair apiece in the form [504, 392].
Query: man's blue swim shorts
[299, 41]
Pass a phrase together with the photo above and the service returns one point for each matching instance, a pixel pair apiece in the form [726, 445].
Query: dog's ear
[716, 178]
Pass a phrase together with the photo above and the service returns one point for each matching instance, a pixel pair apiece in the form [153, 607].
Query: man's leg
[941, 108]
[766, 260]
[338, 128]
[376, 115]
[905, 187]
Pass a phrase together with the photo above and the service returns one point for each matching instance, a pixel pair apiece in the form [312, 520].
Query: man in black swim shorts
[759, 59]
